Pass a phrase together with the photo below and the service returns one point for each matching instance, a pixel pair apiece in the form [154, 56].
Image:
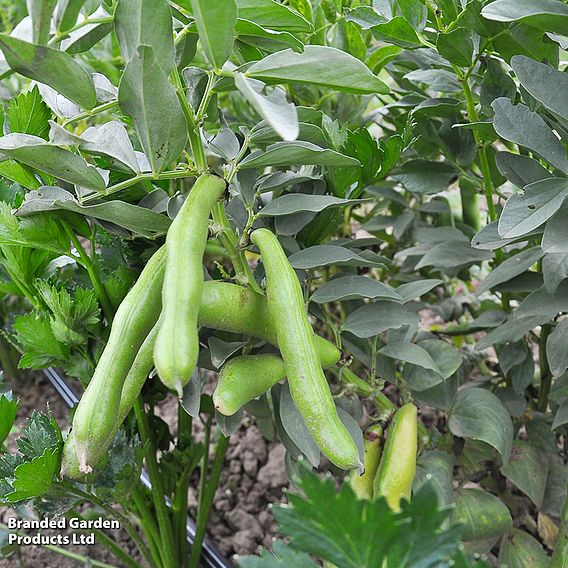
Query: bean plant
[371, 188]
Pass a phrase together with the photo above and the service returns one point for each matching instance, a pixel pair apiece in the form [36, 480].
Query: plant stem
[206, 500]
[57, 37]
[91, 269]
[545, 374]
[173, 174]
[89, 113]
[147, 524]
[158, 495]
[8, 360]
[179, 504]
[107, 542]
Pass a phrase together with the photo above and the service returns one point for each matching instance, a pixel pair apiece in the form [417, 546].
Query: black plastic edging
[210, 556]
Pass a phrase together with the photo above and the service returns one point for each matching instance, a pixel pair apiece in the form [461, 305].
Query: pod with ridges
[95, 416]
[296, 341]
[362, 485]
[177, 345]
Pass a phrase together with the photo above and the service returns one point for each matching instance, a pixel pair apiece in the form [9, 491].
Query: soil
[253, 478]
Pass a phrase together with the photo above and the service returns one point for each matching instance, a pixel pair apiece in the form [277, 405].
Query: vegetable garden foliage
[410, 157]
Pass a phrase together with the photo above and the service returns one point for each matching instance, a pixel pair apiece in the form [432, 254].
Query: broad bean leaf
[510, 268]
[556, 351]
[216, 26]
[526, 211]
[554, 270]
[544, 83]
[522, 126]
[478, 414]
[66, 14]
[413, 290]
[447, 358]
[372, 319]
[146, 95]
[456, 46]
[301, 202]
[352, 287]
[273, 15]
[274, 107]
[410, 353]
[296, 153]
[482, 514]
[86, 37]
[318, 65]
[52, 67]
[547, 15]
[324, 255]
[425, 177]
[520, 170]
[145, 22]
[528, 470]
[520, 549]
[39, 154]
[553, 240]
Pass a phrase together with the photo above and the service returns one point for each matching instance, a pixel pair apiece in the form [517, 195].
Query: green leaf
[456, 46]
[216, 25]
[324, 255]
[282, 556]
[524, 212]
[352, 287]
[39, 154]
[478, 414]
[425, 177]
[145, 22]
[274, 107]
[20, 174]
[412, 290]
[372, 319]
[146, 95]
[370, 532]
[318, 65]
[274, 15]
[40, 12]
[296, 427]
[522, 126]
[483, 515]
[8, 410]
[510, 268]
[553, 240]
[66, 14]
[447, 359]
[450, 255]
[86, 37]
[52, 67]
[28, 114]
[296, 153]
[528, 470]
[297, 202]
[520, 170]
[547, 15]
[554, 270]
[410, 353]
[556, 351]
[134, 218]
[495, 83]
[34, 478]
[544, 83]
[266, 39]
[520, 549]
[436, 467]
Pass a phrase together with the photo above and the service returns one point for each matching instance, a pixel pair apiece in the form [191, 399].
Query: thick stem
[89, 113]
[206, 501]
[147, 524]
[158, 495]
[545, 374]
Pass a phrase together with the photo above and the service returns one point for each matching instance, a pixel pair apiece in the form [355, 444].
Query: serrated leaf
[27, 113]
[34, 478]
[52, 67]
[478, 414]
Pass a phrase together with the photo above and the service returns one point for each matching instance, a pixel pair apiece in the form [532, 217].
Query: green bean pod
[177, 345]
[95, 416]
[224, 306]
[397, 467]
[362, 485]
[296, 341]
